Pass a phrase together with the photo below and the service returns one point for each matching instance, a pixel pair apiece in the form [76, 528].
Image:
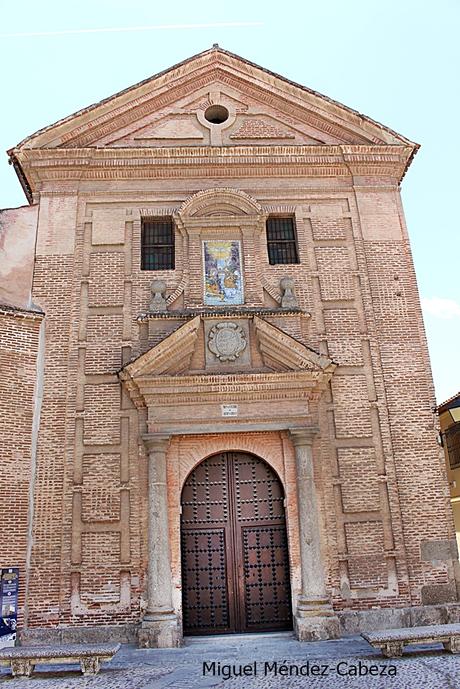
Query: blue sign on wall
[9, 587]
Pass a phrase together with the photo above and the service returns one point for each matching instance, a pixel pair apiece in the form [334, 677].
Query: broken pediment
[250, 372]
[281, 352]
[226, 349]
[170, 357]
[268, 107]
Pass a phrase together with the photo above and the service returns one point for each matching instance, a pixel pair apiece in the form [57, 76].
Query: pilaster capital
[303, 436]
[156, 442]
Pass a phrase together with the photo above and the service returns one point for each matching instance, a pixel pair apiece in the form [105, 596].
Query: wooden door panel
[235, 563]
[266, 578]
[205, 591]
[258, 492]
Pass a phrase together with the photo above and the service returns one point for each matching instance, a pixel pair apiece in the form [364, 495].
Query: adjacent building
[449, 420]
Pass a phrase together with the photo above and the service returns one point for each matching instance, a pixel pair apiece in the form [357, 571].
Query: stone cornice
[184, 390]
[75, 165]
[176, 391]
[223, 312]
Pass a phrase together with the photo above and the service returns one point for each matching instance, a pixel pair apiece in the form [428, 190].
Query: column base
[159, 630]
[316, 621]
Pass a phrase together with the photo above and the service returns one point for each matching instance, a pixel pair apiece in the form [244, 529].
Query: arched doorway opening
[235, 564]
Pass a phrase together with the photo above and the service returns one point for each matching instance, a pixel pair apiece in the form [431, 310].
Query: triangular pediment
[169, 109]
[164, 379]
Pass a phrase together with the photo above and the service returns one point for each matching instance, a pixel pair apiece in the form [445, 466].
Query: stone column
[159, 627]
[314, 618]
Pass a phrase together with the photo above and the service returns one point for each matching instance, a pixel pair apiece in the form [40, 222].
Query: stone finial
[288, 298]
[158, 290]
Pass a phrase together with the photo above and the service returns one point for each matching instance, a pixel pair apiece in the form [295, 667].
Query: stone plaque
[229, 410]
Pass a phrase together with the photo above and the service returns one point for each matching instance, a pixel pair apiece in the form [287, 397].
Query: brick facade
[380, 483]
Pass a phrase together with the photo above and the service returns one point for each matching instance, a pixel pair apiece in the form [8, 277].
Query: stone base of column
[315, 621]
[159, 630]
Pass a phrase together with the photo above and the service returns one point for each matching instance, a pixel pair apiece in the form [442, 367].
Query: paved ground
[278, 658]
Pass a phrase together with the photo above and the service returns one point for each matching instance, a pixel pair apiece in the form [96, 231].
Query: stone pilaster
[314, 617]
[159, 628]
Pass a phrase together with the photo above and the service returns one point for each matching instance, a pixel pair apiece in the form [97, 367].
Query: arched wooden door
[235, 567]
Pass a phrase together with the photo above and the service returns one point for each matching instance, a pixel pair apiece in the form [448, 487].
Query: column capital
[303, 436]
[156, 442]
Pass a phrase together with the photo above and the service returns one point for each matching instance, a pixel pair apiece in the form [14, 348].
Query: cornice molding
[57, 165]
[317, 152]
[222, 313]
[184, 390]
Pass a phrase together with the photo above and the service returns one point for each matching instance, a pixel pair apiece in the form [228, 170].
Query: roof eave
[24, 182]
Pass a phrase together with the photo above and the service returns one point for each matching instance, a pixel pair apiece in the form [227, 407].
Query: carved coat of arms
[227, 340]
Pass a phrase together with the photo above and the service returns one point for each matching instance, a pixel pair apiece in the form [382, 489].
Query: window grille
[157, 244]
[281, 241]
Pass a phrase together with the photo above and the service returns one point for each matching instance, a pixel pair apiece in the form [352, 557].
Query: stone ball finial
[288, 298]
[158, 290]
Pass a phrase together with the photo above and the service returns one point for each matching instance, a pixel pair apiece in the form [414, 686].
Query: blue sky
[397, 62]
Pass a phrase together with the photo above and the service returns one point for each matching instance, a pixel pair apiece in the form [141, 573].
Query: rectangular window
[157, 242]
[281, 241]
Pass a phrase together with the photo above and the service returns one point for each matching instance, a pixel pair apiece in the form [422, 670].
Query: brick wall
[19, 344]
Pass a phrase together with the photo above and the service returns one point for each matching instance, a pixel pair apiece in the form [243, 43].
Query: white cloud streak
[159, 27]
[441, 308]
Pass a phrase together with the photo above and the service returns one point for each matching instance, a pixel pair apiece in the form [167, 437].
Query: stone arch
[272, 453]
[237, 448]
[219, 201]
[186, 452]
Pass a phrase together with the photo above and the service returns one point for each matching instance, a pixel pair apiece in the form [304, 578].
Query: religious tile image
[223, 279]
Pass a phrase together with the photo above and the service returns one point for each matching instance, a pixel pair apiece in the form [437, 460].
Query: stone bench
[392, 641]
[23, 659]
